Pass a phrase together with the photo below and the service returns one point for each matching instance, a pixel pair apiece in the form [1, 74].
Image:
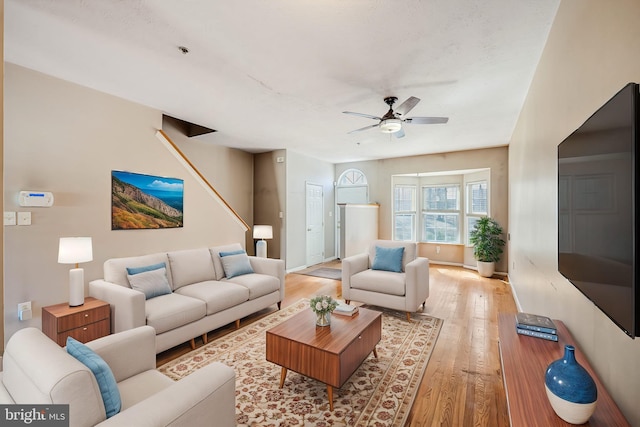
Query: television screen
[596, 208]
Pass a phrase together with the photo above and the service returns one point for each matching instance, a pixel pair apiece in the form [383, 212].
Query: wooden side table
[85, 323]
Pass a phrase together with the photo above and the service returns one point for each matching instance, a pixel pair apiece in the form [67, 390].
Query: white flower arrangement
[323, 304]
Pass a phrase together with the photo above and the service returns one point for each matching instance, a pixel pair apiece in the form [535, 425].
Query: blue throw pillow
[236, 264]
[388, 259]
[152, 283]
[138, 270]
[102, 372]
[237, 252]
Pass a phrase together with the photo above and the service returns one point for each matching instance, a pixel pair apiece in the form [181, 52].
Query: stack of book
[537, 326]
[345, 310]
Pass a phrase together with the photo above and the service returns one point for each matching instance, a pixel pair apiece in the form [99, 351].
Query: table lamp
[74, 250]
[262, 232]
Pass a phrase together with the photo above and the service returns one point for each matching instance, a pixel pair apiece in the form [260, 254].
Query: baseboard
[514, 294]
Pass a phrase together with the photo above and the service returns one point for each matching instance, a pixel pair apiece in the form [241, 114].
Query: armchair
[37, 371]
[405, 290]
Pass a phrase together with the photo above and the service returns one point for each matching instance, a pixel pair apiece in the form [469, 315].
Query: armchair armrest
[270, 266]
[350, 266]
[205, 397]
[127, 305]
[139, 346]
[417, 283]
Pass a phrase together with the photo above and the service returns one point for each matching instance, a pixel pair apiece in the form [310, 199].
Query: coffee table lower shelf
[329, 354]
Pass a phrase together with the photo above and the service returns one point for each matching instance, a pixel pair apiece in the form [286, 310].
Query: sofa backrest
[410, 250]
[115, 269]
[191, 266]
[38, 371]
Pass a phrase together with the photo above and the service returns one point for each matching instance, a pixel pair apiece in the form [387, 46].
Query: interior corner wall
[228, 170]
[65, 138]
[269, 197]
[301, 169]
[591, 53]
[379, 176]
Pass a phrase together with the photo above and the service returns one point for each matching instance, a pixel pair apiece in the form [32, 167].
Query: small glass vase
[323, 319]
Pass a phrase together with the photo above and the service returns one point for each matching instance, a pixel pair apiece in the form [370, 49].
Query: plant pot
[486, 269]
[323, 319]
[570, 389]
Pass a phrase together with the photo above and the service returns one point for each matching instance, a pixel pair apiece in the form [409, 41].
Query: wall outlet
[437, 249]
[24, 218]
[9, 218]
[24, 310]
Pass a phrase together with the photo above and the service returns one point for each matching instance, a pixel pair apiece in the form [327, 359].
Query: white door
[315, 224]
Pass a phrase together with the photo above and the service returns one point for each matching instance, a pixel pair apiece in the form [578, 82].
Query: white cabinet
[358, 228]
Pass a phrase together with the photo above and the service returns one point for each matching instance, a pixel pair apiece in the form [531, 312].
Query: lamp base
[261, 249]
[76, 287]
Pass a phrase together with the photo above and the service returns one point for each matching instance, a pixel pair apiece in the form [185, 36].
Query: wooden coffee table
[330, 354]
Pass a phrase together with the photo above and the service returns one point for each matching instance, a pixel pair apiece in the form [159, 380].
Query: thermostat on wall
[35, 198]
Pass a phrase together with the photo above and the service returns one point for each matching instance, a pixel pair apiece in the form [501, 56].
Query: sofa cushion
[171, 311]
[139, 387]
[218, 296]
[257, 284]
[384, 282]
[235, 263]
[410, 250]
[215, 255]
[102, 372]
[115, 269]
[191, 266]
[151, 283]
[388, 259]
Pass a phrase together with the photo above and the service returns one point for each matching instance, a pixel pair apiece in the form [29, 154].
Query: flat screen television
[597, 209]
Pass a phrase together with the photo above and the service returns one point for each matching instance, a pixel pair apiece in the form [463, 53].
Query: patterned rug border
[381, 403]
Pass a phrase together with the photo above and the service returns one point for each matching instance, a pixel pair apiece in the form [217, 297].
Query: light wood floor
[462, 385]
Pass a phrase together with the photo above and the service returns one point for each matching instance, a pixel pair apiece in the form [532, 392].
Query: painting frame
[142, 201]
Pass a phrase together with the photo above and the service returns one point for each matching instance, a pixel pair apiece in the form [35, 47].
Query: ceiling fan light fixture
[390, 125]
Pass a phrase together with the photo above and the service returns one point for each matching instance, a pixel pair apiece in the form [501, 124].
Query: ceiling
[277, 74]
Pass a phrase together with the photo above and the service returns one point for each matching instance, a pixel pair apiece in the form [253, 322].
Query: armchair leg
[408, 317]
[347, 301]
[279, 304]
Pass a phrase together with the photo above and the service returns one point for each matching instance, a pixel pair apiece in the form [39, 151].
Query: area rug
[324, 272]
[380, 393]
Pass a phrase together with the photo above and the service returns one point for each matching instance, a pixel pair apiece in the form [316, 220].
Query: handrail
[191, 167]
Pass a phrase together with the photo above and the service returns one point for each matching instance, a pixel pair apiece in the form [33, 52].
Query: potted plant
[487, 241]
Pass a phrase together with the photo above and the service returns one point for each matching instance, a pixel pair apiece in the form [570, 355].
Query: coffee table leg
[375, 353]
[330, 396]
[283, 375]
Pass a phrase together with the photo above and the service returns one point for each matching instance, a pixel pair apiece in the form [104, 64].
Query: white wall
[65, 138]
[591, 53]
[299, 170]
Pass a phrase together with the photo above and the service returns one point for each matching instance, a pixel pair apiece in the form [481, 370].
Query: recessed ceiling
[277, 74]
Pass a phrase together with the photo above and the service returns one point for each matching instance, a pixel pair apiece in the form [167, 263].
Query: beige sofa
[405, 290]
[201, 296]
[36, 371]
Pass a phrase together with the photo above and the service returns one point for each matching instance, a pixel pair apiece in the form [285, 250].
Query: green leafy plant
[487, 240]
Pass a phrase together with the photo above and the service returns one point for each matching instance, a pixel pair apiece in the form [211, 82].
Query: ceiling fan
[392, 121]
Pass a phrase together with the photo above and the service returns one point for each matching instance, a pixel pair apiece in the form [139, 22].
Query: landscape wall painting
[145, 201]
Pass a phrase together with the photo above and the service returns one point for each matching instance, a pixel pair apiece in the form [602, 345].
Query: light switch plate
[9, 218]
[24, 218]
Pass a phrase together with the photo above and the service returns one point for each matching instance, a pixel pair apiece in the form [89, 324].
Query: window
[404, 212]
[477, 204]
[441, 213]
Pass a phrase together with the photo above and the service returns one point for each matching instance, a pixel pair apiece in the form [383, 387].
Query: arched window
[352, 187]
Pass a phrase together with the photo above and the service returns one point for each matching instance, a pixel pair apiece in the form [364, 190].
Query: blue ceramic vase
[570, 389]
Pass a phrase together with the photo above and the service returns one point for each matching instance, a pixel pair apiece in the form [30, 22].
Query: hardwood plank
[462, 385]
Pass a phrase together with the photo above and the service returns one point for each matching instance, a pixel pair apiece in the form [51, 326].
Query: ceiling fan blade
[426, 120]
[399, 134]
[407, 105]
[368, 116]
[364, 128]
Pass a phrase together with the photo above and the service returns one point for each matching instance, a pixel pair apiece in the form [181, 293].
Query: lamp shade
[74, 250]
[262, 232]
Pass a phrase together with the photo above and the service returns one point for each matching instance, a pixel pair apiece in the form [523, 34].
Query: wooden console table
[524, 362]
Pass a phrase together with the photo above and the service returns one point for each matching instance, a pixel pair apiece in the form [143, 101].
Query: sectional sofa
[186, 293]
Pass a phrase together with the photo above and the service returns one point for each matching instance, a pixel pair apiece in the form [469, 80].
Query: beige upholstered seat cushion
[217, 296]
[258, 284]
[168, 312]
[139, 387]
[384, 282]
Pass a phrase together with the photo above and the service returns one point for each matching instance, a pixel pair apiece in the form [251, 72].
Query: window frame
[413, 213]
[469, 213]
[425, 211]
